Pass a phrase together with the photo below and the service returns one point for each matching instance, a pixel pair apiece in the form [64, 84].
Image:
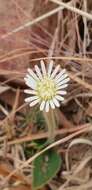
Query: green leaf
[40, 143]
[45, 168]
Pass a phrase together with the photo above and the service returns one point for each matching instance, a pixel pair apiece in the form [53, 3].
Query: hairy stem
[51, 124]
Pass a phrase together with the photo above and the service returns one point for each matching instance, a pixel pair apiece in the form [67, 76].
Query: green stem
[51, 124]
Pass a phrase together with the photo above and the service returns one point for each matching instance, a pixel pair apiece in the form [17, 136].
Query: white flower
[47, 86]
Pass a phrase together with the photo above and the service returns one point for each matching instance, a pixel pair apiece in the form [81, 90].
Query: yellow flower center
[46, 88]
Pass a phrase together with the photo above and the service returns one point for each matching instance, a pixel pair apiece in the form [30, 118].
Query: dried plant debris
[29, 34]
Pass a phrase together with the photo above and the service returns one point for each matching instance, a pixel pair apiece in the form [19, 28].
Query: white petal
[27, 91]
[52, 104]
[30, 82]
[25, 79]
[56, 102]
[38, 71]
[42, 105]
[47, 106]
[55, 71]
[63, 81]
[34, 102]
[60, 74]
[43, 67]
[27, 76]
[60, 98]
[50, 67]
[61, 92]
[62, 86]
[32, 74]
[62, 78]
[29, 99]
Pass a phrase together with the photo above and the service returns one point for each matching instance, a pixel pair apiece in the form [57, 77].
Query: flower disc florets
[46, 86]
[46, 89]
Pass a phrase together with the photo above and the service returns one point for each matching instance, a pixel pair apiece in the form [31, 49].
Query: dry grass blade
[67, 58]
[45, 135]
[73, 9]
[59, 30]
[80, 81]
[19, 187]
[75, 142]
[4, 88]
[5, 170]
[30, 23]
[61, 141]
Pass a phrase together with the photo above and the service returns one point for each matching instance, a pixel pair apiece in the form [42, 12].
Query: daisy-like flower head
[47, 86]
